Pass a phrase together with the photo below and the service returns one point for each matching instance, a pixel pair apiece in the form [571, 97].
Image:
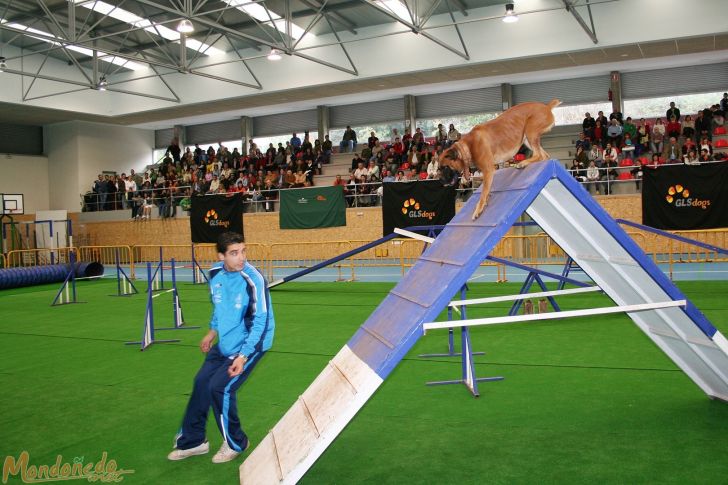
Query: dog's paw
[521, 165]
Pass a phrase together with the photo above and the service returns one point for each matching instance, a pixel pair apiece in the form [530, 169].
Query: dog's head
[458, 157]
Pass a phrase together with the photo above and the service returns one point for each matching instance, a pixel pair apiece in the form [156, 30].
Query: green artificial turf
[589, 400]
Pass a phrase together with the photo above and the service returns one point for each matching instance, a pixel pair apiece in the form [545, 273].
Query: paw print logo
[676, 191]
[410, 204]
[210, 215]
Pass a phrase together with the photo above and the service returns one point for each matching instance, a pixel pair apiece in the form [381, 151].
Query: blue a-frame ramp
[582, 228]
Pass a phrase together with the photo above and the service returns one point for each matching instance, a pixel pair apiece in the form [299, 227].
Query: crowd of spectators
[618, 149]
[607, 149]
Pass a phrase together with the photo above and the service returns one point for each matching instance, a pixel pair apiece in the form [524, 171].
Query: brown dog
[499, 140]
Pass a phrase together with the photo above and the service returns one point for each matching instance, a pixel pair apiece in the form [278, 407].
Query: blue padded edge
[526, 185]
[621, 236]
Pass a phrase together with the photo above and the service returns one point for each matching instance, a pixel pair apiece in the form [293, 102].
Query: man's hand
[237, 366]
[207, 340]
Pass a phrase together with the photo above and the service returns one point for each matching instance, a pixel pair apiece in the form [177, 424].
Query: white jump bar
[553, 315]
[414, 235]
[523, 296]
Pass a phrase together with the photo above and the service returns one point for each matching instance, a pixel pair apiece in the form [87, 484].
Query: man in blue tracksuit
[243, 323]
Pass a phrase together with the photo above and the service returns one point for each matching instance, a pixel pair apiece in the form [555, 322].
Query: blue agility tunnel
[39, 275]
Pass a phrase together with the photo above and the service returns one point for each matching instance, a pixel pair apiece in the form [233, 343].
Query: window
[656, 107]
[382, 130]
[574, 114]
[264, 141]
[463, 123]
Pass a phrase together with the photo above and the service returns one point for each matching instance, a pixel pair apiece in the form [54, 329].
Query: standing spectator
[418, 139]
[348, 141]
[295, 143]
[602, 119]
[441, 135]
[672, 111]
[112, 189]
[588, 125]
[131, 188]
[174, 150]
[702, 126]
[658, 136]
[326, 148]
[724, 103]
[101, 190]
[593, 176]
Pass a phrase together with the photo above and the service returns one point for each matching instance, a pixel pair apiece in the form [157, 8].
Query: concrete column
[410, 113]
[181, 135]
[322, 115]
[506, 95]
[615, 84]
[246, 128]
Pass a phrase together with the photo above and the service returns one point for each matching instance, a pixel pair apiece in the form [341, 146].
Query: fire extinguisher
[609, 95]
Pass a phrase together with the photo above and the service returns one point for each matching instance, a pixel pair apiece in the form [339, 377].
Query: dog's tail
[553, 103]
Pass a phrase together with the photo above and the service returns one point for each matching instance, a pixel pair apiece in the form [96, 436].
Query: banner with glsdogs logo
[686, 197]
[312, 207]
[211, 215]
[421, 203]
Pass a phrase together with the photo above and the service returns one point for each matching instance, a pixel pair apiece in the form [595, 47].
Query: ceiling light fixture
[274, 55]
[510, 16]
[3, 66]
[185, 27]
[103, 83]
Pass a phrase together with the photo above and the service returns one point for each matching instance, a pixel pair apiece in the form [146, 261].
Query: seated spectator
[705, 155]
[673, 128]
[706, 144]
[672, 152]
[339, 181]
[376, 150]
[596, 154]
[348, 141]
[691, 157]
[656, 161]
[289, 179]
[433, 167]
[400, 177]
[658, 136]
[593, 176]
[578, 170]
[360, 171]
[614, 133]
[453, 135]
[642, 144]
[611, 154]
[582, 156]
[630, 127]
[599, 135]
[688, 128]
[627, 147]
[388, 177]
[372, 140]
[306, 143]
[373, 173]
[326, 148]
[689, 145]
[582, 143]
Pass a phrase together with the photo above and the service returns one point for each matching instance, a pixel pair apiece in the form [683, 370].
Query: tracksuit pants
[213, 387]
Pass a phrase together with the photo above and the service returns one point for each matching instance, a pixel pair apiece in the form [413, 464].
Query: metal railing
[20, 258]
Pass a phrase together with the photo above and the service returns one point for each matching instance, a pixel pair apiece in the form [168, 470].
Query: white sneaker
[178, 454]
[225, 453]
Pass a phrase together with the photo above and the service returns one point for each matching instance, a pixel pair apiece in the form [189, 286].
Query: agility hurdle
[148, 330]
[198, 274]
[124, 285]
[158, 276]
[178, 321]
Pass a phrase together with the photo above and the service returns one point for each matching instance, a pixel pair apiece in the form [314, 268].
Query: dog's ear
[452, 153]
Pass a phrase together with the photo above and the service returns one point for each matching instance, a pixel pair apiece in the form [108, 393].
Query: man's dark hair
[226, 239]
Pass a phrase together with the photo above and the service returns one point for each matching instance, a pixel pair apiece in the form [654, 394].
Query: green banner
[313, 207]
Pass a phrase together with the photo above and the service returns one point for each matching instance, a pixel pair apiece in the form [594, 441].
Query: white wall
[79, 151]
[27, 175]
